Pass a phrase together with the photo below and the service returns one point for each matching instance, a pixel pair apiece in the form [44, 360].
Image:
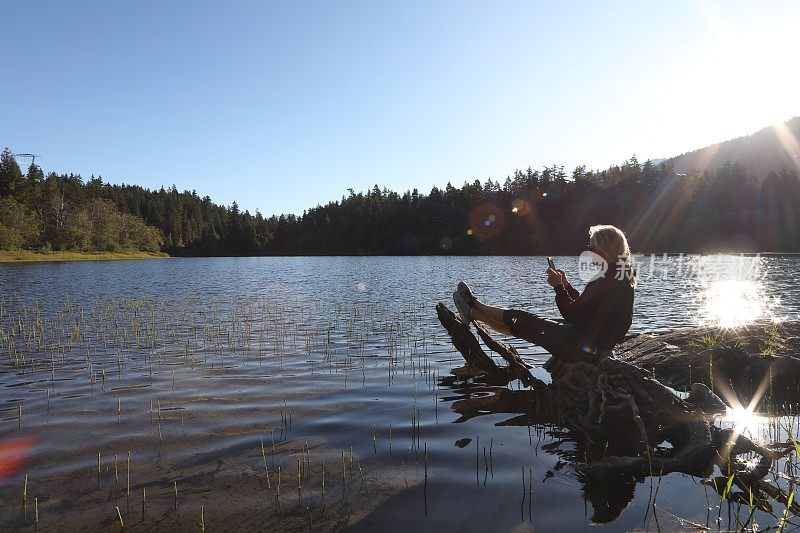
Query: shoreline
[27, 256]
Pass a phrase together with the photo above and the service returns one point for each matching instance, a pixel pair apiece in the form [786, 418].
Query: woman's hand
[555, 277]
[563, 276]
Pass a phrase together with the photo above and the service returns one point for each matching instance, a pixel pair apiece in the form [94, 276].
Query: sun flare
[734, 303]
[744, 421]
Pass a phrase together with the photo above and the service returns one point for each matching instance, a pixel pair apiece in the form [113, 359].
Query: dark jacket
[603, 313]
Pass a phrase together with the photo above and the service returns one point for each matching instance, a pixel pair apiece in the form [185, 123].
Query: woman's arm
[576, 307]
[573, 293]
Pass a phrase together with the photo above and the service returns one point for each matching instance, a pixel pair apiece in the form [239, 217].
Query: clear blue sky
[284, 105]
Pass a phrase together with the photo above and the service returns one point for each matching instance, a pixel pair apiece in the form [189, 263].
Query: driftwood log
[622, 415]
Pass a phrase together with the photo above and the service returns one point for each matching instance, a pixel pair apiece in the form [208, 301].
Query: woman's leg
[491, 316]
[556, 337]
[553, 336]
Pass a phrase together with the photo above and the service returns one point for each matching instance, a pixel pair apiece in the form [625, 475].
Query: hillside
[772, 149]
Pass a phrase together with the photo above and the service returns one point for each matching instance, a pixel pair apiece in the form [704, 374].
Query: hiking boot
[465, 292]
[464, 309]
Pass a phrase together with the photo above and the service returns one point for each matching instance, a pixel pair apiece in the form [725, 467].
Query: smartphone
[550, 263]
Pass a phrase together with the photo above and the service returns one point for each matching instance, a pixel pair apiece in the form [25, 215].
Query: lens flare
[743, 419]
[13, 454]
[486, 220]
[520, 207]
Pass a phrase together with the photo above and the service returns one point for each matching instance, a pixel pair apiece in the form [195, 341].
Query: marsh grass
[150, 352]
[29, 256]
[773, 341]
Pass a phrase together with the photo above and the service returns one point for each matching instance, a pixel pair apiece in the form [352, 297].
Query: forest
[530, 212]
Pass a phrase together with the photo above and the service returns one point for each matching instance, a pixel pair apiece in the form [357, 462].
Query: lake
[308, 393]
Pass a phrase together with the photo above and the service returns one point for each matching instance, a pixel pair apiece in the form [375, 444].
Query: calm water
[188, 365]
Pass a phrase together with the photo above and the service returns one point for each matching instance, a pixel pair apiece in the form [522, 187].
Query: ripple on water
[190, 364]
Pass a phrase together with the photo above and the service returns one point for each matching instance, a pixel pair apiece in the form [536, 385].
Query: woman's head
[610, 242]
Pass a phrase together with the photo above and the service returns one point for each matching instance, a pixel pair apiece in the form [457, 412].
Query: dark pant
[559, 338]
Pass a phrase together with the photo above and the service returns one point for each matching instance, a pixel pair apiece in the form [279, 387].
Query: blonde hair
[611, 241]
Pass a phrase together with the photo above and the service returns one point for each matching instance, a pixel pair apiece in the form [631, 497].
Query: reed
[530, 494]
[491, 462]
[278, 492]
[344, 477]
[785, 518]
[522, 503]
[477, 460]
[299, 485]
[426, 461]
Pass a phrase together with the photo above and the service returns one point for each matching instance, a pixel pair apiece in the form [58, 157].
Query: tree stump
[621, 415]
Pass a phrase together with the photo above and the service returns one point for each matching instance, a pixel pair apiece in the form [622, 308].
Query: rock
[737, 364]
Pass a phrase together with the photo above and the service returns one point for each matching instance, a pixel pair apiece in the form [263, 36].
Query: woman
[596, 320]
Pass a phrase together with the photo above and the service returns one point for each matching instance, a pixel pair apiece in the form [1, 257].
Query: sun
[740, 78]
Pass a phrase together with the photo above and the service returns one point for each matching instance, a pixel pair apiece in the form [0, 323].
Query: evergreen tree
[10, 174]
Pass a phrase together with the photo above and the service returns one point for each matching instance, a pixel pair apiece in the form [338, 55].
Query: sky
[281, 106]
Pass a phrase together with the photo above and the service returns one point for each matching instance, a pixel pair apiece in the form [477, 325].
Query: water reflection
[608, 495]
[731, 291]
[744, 421]
[525, 405]
[734, 303]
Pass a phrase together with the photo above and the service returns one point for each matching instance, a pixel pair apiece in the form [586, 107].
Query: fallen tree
[622, 416]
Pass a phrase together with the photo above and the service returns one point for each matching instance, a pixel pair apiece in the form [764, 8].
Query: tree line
[532, 211]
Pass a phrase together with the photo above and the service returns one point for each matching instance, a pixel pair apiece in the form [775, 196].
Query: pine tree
[10, 174]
